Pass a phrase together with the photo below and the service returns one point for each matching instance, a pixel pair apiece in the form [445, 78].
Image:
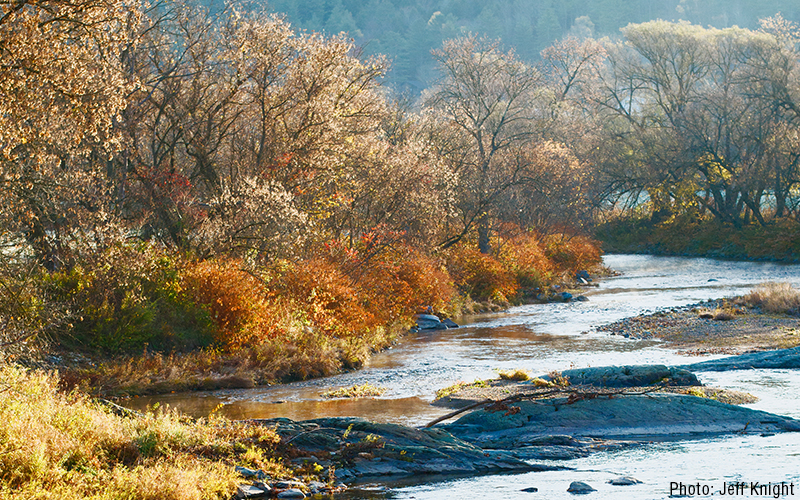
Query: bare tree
[486, 99]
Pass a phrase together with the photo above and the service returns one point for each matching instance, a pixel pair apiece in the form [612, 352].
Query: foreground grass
[57, 445]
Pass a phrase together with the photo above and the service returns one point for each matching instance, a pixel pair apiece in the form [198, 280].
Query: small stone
[530, 490]
[317, 487]
[258, 474]
[291, 493]
[582, 298]
[262, 486]
[244, 471]
[579, 488]
[624, 481]
[284, 485]
[247, 491]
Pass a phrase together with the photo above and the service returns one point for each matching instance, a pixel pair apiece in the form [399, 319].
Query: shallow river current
[541, 338]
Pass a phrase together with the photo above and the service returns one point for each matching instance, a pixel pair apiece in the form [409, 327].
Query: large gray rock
[429, 322]
[372, 449]
[559, 447]
[781, 358]
[641, 417]
[630, 376]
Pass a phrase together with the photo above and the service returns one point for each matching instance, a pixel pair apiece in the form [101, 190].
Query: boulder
[630, 376]
[583, 275]
[530, 490]
[366, 449]
[291, 493]
[642, 417]
[560, 447]
[429, 322]
[449, 323]
[285, 485]
[247, 491]
[579, 488]
[250, 473]
[780, 358]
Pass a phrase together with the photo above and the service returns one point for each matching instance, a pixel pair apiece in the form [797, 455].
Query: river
[541, 338]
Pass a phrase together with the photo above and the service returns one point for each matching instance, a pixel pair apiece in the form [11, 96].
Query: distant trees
[698, 113]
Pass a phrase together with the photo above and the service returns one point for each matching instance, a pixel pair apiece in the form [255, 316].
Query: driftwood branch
[574, 394]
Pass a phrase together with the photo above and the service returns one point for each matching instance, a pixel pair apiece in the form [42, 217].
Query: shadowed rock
[630, 376]
[656, 415]
[781, 358]
[365, 449]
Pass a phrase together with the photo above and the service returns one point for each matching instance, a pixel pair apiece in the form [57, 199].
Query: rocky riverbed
[516, 424]
[713, 327]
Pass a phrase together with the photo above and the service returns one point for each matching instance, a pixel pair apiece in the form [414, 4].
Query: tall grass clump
[781, 298]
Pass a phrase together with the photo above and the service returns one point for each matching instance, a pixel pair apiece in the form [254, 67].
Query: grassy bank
[694, 236]
[137, 319]
[64, 445]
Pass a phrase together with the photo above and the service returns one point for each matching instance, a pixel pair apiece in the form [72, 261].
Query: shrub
[481, 276]
[243, 309]
[524, 255]
[571, 254]
[127, 297]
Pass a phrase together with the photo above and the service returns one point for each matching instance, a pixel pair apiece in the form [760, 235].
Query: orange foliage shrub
[525, 256]
[402, 280]
[238, 302]
[327, 297]
[481, 276]
[571, 254]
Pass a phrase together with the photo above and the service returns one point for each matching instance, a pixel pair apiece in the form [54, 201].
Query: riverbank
[136, 319]
[725, 326]
[691, 235]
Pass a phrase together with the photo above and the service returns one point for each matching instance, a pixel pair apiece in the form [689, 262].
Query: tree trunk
[483, 234]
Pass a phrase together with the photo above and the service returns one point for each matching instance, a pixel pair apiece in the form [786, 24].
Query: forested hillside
[407, 30]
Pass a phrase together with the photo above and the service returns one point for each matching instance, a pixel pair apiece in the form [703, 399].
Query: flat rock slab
[366, 449]
[630, 376]
[650, 416]
[781, 358]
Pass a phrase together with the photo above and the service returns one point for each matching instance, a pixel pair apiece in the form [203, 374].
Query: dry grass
[517, 374]
[719, 313]
[357, 391]
[557, 379]
[780, 298]
[54, 445]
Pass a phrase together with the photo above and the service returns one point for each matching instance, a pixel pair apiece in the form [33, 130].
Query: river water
[541, 338]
